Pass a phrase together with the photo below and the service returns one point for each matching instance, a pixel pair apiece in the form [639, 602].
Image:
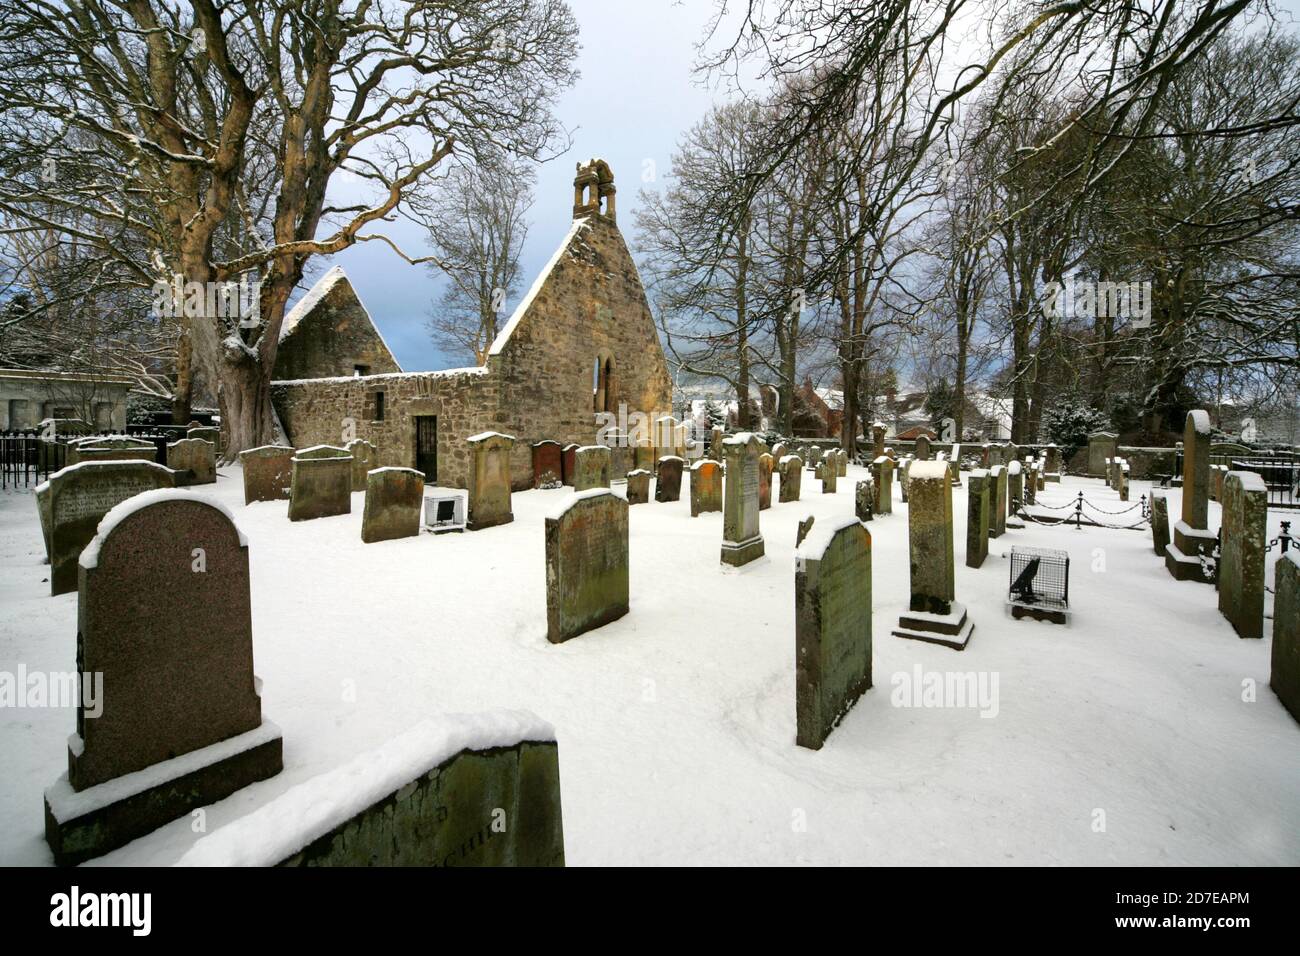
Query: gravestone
[1191, 537]
[882, 470]
[923, 448]
[1053, 463]
[620, 457]
[586, 563]
[668, 478]
[1159, 523]
[842, 463]
[569, 462]
[741, 540]
[715, 443]
[1101, 445]
[864, 499]
[364, 458]
[75, 499]
[394, 497]
[978, 486]
[986, 456]
[934, 615]
[778, 451]
[1220, 472]
[828, 471]
[591, 469]
[194, 460]
[110, 448]
[998, 499]
[877, 440]
[1241, 552]
[802, 530]
[904, 468]
[643, 457]
[1285, 675]
[765, 462]
[1015, 487]
[268, 473]
[638, 486]
[954, 466]
[1031, 483]
[489, 481]
[791, 467]
[1123, 481]
[814, 458]
[164, 616]
[706, 487]
[206, 432]
[548, 464]
[321, 483]
[666, 435]
[832, 588]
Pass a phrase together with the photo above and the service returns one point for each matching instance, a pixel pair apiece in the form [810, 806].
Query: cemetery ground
[1121, 738]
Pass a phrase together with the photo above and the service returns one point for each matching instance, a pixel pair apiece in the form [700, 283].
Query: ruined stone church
[581, 341]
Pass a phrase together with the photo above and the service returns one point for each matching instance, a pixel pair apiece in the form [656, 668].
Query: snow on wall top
[562, 508]
[484, 436]
[279, 829]
[118, 513]
[819, 538]
[507, 330]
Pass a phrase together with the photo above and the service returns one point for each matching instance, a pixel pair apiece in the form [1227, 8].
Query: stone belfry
[593, 190]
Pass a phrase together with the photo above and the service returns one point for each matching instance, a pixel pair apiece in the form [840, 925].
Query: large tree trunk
[245, 398]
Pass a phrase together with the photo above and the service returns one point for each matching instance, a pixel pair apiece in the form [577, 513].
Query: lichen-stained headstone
[1285, 675]
[828, 472]
[591, 468]
[1159, 523]
[832, 585]
[882, 471]
[864, 499]
[741, 540]
[364, 459]
[321, 485]
[778, 451]
[877, 440]
[1241, 553]
[194, 460]
[923, 448]
[394, 498]
[638, 486]
[489, 481]
[998, 500]
[668, 478]
[765, 463]
[78, 497]
[1053, 463]
[569, 462]
[268, 472]
[791, 467]
[1191, 536]
[586, 563]
[706, 487]
[165, 618]
[814, 460]
[978, 484]
[548, 466]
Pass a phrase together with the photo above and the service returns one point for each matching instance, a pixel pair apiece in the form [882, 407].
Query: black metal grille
[1040, 578]
[28, 459]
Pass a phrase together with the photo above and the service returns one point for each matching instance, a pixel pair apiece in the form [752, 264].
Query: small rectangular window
[358, 371]
[377, 407]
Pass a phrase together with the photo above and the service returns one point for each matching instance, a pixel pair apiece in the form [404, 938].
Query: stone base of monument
[951, 630]
[478, 524]
[1182, 557]
[81, 825]
[738, 553]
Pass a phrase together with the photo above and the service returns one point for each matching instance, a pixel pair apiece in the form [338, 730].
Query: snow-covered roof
[313, 297]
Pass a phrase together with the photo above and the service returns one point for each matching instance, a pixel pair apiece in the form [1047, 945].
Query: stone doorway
[426, 447]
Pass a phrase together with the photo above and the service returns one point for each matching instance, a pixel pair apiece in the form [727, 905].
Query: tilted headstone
[1243, 541]
[394, 498]
[569, 462]
[586, 563]
[1191, 537]
[364, 458]
[489, 481]
[791, 468]
[74, 500]
[934, 615]
[164, 616]
[1285, 675]
[321, 484]
[765, 463]
[741, 540]
[668, 478]
[978, 487]
[548, 464]
[864, 499]
[194, 460]
[923, 448]
[998, 499]
[832, 588]
[706, 487]
[268, 473]
[592, 468]
[882, 471]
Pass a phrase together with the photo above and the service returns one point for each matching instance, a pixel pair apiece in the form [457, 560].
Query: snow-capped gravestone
[489, 480]
[1159, 523]
[548, 464]
[164, 616]
[933, 614]
[668, 479]
[206, 432]
[638, 486]
[832, 594]
[321, 485]
[268, 473]
[1191, 537]
[1031, 482]
[1219, 474]
[978, 486]
[480, 789]
[882, 471]
[841, 463]
[111, 448]
[1101, 445]
[586, 563]
[1053, 463]
[791, 467]
[194, 461]
[923, 448]
[765, 463]
[741, 540]
[1285, 675]
[364, 458]
[591, 469]
[74, 500]
[394, 498]
[569, 462]
[1241, 552]
[706, 487]
[1015, 487]
[998, 501]
[828, 472]
[864, 499]
[1123, 481]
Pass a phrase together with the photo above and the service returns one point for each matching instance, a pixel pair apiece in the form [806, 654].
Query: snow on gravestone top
[1200, 420]
[819, 539]
[1250, 481]
[322, 451]
[119, 513]
[786, 459]
[563, 507]
[1012, 469]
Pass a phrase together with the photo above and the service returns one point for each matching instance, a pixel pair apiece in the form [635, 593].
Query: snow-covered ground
[676, 724]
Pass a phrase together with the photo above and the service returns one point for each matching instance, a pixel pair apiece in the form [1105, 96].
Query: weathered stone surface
[110, 448]
[569, 462]
[1285, 675]
[864, 499]
[394, 497]
[882, 470]
[778, 451]
[934, 615]
[364, 459]
[1015, 487]
[74, 500]
[548, 464]
[328, 333]
[1031, 483]
[206, 433]
[638, 486]
[1241, 558]
[803, 529]
[268, 473]
[1159, 523]
[904, 469]
[706, 487]
[668, 478]
[922, 448]
[489, 481]
[321, 484]
[828, 472]
[765, 463]
[977, 517]
[832, 586]
[877, 440]
[1053, 462]
[194, 460]
[643, 456]
[791, 469]
[1191, 536]
[998, 499]
[586, 564]
[1101, 445]
[591, 469]
[741, 540]
[716, 437]
[173, 683]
